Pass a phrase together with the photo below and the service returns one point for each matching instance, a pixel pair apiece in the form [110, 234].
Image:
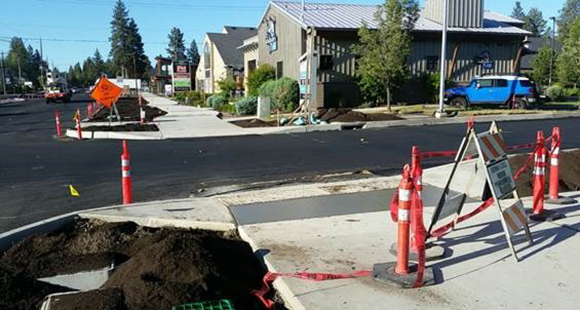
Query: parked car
[512, 90]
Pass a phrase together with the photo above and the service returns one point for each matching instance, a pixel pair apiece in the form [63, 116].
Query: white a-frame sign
[490, 148]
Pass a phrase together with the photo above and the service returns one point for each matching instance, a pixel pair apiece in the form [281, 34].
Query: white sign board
[501, 178]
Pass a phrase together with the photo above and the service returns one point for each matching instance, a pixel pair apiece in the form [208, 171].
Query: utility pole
[3, 75]
[41, 65]
[441, 109]
[552, 51]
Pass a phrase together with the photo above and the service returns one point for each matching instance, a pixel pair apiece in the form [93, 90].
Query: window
[484, 83]
[501, 83]
[525, 83]
[326, 62]
[432, 63]
[279, 69]
[206, 56]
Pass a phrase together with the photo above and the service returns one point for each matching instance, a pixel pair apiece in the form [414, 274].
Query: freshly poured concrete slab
[324, 206]
[195, 213]
[479, 274]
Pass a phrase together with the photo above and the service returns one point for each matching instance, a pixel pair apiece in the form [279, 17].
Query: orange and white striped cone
[401, 273]
[126, 174]
[538, 212]
[554, 195]
[78, 124]
[89, 110]
[57, 120]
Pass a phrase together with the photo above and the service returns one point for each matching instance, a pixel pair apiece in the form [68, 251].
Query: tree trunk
[389, 99]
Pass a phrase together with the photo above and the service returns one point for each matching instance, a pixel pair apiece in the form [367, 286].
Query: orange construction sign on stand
[105, 92]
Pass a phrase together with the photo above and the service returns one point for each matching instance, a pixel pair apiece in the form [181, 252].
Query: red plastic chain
[311, 276]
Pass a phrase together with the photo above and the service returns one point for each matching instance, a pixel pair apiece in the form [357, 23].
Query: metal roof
[351, 16]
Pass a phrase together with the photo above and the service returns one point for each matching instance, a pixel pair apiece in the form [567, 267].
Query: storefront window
[279, 69]
[432, 63]
[326, 62]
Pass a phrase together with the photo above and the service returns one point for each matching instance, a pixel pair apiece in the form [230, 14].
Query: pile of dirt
[343, 115]
[105, 299]
[129, 110]
[126, 127]
[252, 123]
[569, 173]
[155, 268]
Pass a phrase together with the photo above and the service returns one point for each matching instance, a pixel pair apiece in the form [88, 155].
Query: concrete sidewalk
[479, 273]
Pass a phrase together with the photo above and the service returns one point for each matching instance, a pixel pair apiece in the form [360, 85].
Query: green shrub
[284, 93]
[227, 87]
[217, 101]
[180, 97]
[430, 86]
[572, 92]
[246, 106]
[261, 75]
[556, 93]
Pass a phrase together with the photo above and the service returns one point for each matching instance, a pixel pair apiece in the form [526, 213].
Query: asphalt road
[36, 169]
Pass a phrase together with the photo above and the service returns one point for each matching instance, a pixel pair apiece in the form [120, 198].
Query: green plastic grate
[223, 304]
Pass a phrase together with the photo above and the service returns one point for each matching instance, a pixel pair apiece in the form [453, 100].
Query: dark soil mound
[156, 268]
[107, 299]
[569, 173]
[19, 291]
[254, 123]
[334, 115]
[127, 127]
[178, 268]
[83, 246]
[129, 111]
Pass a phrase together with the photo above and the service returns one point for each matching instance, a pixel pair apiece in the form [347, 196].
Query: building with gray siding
[479, 42]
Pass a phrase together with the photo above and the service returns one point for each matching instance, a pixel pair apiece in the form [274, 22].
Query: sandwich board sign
[490, 148]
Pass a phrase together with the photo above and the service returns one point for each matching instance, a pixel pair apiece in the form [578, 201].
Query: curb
[112, 135]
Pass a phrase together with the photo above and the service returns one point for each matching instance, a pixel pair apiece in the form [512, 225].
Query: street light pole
[552, 51]
[443, 61]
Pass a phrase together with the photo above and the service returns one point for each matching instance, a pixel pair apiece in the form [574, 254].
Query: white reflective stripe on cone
[126, 173]
[125, 162]
[539, 171]
[556, 151]
[554, 161]
[404, 215]
[404, 195]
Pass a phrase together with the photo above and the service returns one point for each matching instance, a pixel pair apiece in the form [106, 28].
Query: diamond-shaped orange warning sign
[106, 92]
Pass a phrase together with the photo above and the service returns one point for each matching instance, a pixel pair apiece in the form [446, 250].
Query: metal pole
[41, 65]
[3, 75]
[552, 50]
[441, 110]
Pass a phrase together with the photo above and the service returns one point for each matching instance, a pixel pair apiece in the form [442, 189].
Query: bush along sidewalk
[283, 93]
[246, 106]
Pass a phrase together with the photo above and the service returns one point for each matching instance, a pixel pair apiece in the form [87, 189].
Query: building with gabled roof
[220, 57]
[479, 42]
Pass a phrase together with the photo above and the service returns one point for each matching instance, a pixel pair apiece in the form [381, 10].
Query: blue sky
[82, 20]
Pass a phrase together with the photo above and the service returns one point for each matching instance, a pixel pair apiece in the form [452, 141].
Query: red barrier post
[416, 169]
[554, 170]
[126, 174]
[539, 175]
[78, 121]
[57, 119]
[404, 220]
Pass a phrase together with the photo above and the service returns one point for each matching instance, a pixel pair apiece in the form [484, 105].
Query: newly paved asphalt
[36, 169]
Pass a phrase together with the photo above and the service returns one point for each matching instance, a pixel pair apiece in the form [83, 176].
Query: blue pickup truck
[512, 90]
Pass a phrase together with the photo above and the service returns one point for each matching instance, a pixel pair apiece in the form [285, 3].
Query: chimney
[462, 13]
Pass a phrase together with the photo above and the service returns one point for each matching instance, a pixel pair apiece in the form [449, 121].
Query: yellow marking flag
[73, 191]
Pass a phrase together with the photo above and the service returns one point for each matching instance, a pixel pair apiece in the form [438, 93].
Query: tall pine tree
[176, 48]
[127, 52]
[568, 15]
[518, 12]
[193, 53]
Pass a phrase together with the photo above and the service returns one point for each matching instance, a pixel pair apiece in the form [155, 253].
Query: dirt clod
[129, 110]
[334, 115]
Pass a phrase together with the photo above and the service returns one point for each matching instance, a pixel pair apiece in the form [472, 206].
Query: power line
[163, 5]
[78, 40]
